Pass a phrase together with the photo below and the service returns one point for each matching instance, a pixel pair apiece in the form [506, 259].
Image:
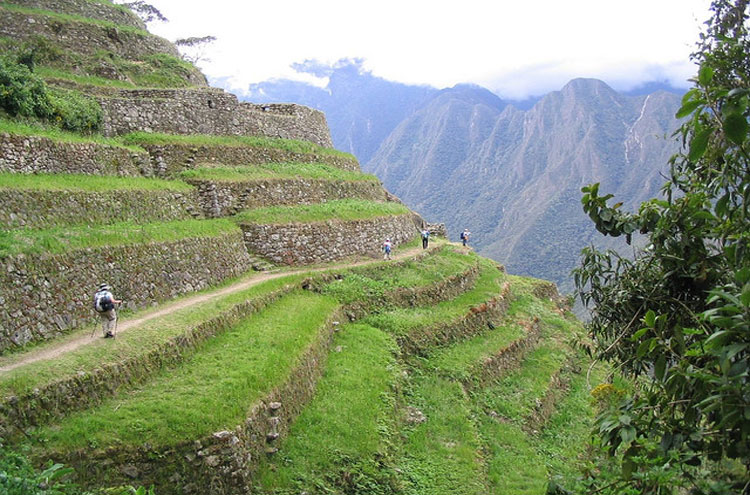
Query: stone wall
[34, 154]
[220, 198]
[186, 111]
[173, 158]
[44, 209]
[83, 37]
[43, 296]
[321, 242]
[86, 8]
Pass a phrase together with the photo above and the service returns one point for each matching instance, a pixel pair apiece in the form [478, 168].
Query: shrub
[74, 111]
[21, 92]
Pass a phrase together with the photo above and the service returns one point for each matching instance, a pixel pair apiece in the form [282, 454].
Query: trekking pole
[117, 319]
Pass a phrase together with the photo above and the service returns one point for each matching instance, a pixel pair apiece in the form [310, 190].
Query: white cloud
[520, 48]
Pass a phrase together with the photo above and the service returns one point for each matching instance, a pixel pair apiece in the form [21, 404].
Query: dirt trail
[125, 325]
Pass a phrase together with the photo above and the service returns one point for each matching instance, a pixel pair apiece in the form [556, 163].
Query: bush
[24, 94]
[74, 111]
[21, 92]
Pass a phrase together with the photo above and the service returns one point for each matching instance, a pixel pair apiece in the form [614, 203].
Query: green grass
[401, 321]
[215, 388]
[145, 338]
[441, 455]
[513, 465]
[65, 239]
[373, 283]
[67, 18]
[290, 145]
[276, 170]
[56, 134]
[514, 396]
[47, 72]
[339, 441]
[87, 183]
[345, 210]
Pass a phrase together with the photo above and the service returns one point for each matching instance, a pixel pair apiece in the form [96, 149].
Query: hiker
[387, 249]
[425, 238]
[104, 304]
[465, 236]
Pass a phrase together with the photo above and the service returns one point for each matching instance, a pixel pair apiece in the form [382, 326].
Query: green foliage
[21, 92]
[24, 94]
[19, 477]
[677, 318]
[75, 112]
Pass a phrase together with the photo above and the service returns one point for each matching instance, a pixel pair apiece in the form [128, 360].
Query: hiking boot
[109, 335]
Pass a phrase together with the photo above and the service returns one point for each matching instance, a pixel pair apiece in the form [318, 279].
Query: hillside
[513, 177]
[263, 344]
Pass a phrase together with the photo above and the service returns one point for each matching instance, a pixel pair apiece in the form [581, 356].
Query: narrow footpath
[13, 361]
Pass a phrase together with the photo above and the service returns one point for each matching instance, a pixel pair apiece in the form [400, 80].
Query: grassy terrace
[345, 209]
[65, 239]
[87, 183]
[291, 145]
[401, 321]
[55, 134]
[348, 424]
[73, 18]
[364, 283]
[51, 73]
[274, 171]
[215, 387]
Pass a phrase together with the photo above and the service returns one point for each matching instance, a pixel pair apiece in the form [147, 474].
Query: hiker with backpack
[465, 236]
[425, 238]
[387, 246]
[104, 304]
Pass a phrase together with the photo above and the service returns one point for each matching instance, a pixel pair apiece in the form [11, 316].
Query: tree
[147, 12]
[676, 319]
[193, 49]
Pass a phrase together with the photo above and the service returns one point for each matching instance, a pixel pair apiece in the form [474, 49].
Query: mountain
[513, 177]
[361, 109]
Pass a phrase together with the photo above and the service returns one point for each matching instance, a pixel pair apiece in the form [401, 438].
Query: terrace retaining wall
[45, 295]
[321, 242]
[222, 198]
[36, 155]
[171, 159]
[211, 111]
[43, 209]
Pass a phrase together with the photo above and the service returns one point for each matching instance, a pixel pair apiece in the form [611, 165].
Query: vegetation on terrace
[72, 18]
[69, 238]
[215, 387]
[274, 171]
[344, 209]
[87, 183]
[27, 128]
[291, 145]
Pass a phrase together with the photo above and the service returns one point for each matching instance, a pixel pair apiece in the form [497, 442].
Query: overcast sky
[515, 48]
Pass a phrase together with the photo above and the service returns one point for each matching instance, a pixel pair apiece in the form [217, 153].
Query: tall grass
[344, 209]
[65, 239]
[215, 388]
[87, 183]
